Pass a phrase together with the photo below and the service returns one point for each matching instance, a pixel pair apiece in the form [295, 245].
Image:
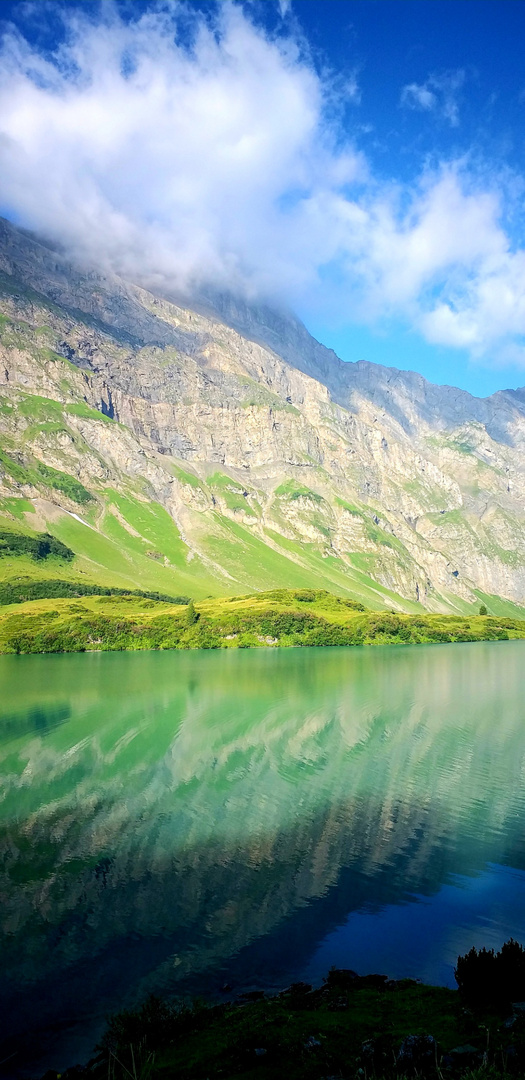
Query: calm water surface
[174, 821]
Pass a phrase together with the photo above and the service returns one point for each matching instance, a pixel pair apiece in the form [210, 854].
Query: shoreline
[349, 1025]
[276, 648]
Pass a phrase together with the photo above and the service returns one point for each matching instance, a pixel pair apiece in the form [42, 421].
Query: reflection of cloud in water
[220, 798]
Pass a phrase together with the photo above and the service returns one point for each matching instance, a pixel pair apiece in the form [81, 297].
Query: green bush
[191, 615]
[389, 626]
[39, 546]
[18, 591]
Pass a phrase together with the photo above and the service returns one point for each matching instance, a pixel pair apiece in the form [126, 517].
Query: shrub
[482, 609]
[485, 976]
[191, 615]
[151, 1023]
[38, 547]
[20, 590]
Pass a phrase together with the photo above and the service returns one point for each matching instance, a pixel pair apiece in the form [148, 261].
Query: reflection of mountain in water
[218, 801]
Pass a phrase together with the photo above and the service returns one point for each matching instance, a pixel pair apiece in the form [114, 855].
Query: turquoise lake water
[177, 821]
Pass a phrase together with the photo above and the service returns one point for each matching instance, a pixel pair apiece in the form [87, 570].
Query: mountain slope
[223, 450]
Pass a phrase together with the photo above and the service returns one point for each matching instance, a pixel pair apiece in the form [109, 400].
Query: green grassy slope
[285, 618]
[128, 542]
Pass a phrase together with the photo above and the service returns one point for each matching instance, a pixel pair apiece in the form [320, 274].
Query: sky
[360, 161]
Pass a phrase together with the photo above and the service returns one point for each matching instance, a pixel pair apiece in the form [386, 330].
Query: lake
[180, 821]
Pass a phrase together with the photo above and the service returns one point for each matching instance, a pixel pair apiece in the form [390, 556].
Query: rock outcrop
[222, 447]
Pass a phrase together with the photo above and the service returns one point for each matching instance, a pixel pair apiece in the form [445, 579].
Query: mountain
[214, 447]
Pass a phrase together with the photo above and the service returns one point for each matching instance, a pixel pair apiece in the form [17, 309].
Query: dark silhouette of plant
[482, 609]
[511, 962]
[484, 976]
[150, 1025]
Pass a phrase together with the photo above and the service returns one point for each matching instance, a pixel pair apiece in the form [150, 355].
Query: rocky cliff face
[222, 449]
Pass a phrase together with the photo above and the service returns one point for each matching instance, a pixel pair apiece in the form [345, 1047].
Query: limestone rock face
[272, 461]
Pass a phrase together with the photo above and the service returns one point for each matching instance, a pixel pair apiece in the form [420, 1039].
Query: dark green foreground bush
[484, 976]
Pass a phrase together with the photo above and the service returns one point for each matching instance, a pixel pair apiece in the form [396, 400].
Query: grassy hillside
[285, 618]
[80, 589]
[129, 542]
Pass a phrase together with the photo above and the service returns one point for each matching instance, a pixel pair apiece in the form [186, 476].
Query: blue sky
[392, 45]
[360, 160]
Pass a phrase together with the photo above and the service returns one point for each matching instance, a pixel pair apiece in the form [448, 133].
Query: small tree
[482, 610]
[191, 615]
[476, 974]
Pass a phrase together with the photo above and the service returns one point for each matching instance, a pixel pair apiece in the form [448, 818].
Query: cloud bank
[182, 150]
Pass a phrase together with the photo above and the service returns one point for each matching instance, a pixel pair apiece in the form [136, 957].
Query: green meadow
[282, 617]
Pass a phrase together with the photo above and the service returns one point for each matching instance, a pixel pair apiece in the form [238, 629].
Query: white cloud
[284, 7]
[216, 162]
[415, 96]
[439, 95]
[351, 88]
[193, 163]
[488, 312]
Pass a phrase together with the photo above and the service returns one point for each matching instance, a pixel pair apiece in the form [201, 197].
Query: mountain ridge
[288, 337]
[272, 468]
